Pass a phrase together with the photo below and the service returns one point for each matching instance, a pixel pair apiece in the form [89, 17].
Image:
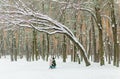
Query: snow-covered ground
[40, 70]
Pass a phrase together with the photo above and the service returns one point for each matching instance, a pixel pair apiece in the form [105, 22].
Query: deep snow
[69, 70]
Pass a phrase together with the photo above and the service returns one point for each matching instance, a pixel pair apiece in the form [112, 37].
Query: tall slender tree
[114, 29]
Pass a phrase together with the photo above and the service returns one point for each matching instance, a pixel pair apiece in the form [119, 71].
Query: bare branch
[40, 22]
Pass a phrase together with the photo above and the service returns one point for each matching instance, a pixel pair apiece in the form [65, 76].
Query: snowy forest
[86, 30]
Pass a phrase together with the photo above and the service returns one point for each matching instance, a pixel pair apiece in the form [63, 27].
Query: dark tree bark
[75, 33]
[48, 49]
[114, 29]
[100, 28]
[118, 51]
[96, 57]
[35, 48]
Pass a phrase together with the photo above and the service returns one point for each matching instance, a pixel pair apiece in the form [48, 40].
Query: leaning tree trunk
[46, 25]
[64, 30]
[77, 43]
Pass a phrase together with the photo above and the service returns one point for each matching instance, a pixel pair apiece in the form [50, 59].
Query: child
[52, 63]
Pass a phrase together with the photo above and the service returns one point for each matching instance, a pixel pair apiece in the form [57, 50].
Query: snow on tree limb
[38, 21]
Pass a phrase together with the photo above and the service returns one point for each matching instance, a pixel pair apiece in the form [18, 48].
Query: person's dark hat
[53, 58]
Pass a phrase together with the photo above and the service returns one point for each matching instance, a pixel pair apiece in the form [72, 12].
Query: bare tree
[114, 29]
[23, 16]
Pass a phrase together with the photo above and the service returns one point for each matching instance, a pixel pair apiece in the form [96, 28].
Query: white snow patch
[113, 25]
[54, 0]
[69, 70]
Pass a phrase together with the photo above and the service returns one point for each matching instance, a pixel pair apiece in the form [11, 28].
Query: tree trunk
[15, 47]
[35, 49]
[96, 58]
[43, 47]
[64, 49]
[101, 52]
[109, 51]
[99, 24]
[12, 46]
[62, 19]
[75, 30]
[114, 29]
[27, 49]
[77, 43]
[48, 50]
[90, 49]
[117, 61]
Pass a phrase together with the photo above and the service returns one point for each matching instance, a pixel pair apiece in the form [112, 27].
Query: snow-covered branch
[105, 16]
[79, 6]
[38, 21]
